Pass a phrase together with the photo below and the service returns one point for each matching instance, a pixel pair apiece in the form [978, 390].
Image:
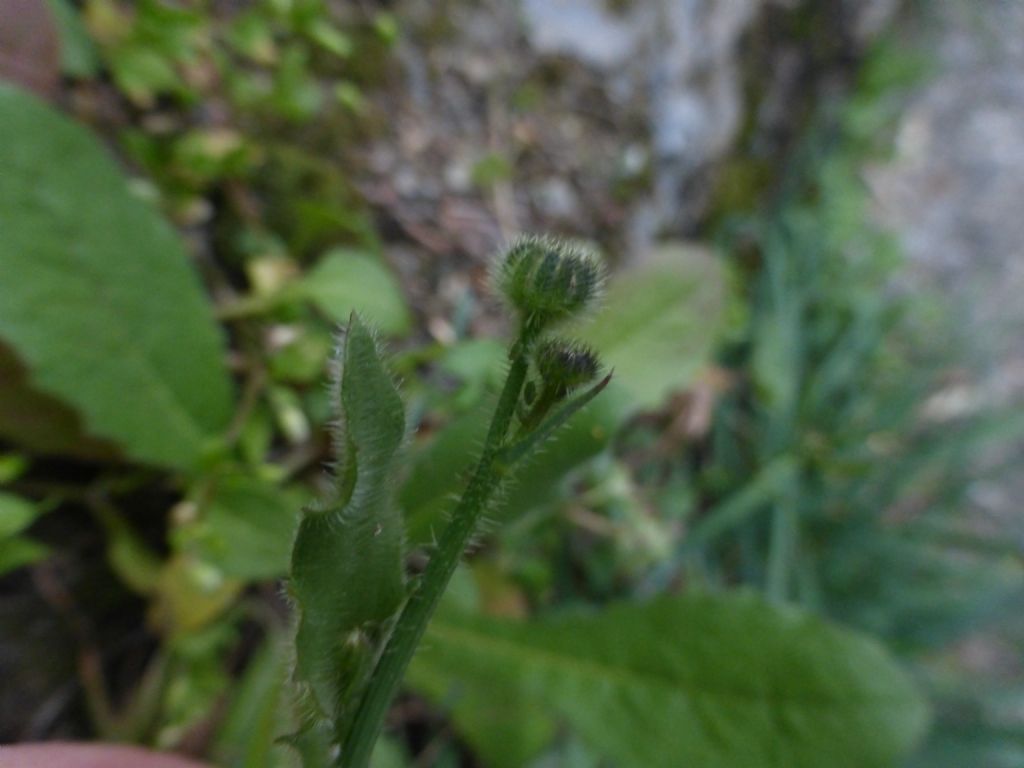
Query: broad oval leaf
[716, 681]
[658, 324]
[98, 297]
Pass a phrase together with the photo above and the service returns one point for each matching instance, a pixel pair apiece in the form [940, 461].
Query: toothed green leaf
[347, 561]
[716, 681]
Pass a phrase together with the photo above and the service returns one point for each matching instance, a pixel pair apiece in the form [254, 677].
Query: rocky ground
[954, 188]
[953, 193]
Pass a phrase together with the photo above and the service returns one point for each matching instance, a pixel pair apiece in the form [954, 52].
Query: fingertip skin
[72, 755]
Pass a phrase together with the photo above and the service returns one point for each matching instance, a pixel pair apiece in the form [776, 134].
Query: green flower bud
[548, 280]
[564, 366]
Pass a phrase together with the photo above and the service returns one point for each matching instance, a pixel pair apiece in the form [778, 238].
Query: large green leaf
[98, 297]
[659, 324]
[347, 562]
[716, 681]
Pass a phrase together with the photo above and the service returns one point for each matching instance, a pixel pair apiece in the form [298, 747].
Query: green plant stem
[412, 623]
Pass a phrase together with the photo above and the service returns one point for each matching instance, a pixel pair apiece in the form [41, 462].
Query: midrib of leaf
[630, 678]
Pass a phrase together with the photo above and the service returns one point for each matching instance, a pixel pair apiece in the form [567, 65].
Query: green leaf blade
[16, 514]
[719, 682]
[19, 551]
[99, 300]
[346, 281]
[658, 324]
[247, 528]
[347, 561]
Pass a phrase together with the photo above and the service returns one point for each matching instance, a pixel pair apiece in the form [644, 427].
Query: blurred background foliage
[194, 194]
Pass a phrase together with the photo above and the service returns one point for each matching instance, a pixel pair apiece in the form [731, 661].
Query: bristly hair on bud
[548, 280]
[566, 365]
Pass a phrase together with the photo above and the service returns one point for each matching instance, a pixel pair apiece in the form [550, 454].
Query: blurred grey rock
[954, 193]
[681, 53]
[871, 17]
[685, 57]
[585, 29]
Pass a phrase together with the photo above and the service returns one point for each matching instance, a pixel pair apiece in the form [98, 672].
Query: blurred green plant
[16, 515]
[828, 477]
[137, 295]
[238, 108]
[235, 513]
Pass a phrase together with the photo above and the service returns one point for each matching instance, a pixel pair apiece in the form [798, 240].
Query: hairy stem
[358, 745]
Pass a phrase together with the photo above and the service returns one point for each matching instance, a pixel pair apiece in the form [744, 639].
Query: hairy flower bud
[564, 365]
[548, 280]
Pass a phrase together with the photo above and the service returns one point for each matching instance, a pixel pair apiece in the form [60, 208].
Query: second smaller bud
[565, 366]
[562, 366]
